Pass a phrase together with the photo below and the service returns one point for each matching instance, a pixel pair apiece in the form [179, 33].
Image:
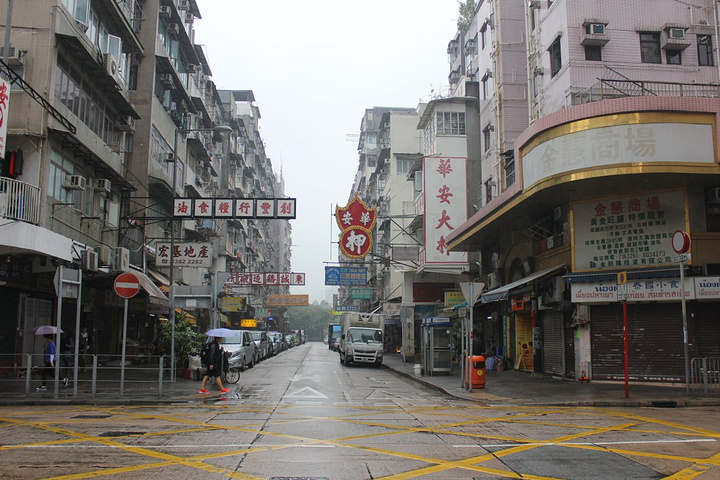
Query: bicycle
[231, 367]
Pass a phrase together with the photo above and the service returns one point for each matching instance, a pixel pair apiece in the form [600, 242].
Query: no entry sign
[127, 285]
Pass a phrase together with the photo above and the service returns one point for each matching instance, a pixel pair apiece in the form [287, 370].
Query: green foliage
[187, 340]
[312, 318]
[467, 13]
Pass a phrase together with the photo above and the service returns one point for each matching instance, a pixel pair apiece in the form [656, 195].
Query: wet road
[303, 415]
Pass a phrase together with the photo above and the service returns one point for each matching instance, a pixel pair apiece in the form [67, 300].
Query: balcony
[608, 89]
[19, 201]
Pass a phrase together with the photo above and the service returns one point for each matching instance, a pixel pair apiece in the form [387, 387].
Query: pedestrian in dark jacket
[49, 359]
[214, 367]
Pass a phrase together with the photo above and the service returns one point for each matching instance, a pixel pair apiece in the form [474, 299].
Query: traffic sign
[127, 285]
[680, 241]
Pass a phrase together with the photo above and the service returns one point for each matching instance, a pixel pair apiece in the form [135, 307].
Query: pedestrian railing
[705, 376]
[95, 375]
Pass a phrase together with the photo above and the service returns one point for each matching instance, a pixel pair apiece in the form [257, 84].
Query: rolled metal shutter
[655, 342]
[553, 341]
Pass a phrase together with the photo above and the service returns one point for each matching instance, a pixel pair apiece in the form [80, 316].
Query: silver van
[241, 348]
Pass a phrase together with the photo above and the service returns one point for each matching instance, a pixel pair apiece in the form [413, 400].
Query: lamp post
[171, 277]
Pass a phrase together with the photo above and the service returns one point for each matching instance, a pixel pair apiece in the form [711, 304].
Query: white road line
[549, 444]
[193, 446]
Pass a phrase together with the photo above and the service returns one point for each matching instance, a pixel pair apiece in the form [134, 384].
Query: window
[593, 53]
[705, 50]
[650, 47]
[404, 165]
[450, 123]
[485, 87]
[555, 57]
[487, 138]
[673, 57]
[509, 170]
[60, 167]
[483, 36]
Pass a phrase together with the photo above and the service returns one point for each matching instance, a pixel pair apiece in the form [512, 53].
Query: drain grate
[121, 434]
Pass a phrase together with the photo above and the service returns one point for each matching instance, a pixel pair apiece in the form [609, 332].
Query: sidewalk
[512, 387]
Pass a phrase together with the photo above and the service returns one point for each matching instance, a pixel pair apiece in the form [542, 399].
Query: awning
[159, 277]
[502, 293]
[188, 318]
[149, 286]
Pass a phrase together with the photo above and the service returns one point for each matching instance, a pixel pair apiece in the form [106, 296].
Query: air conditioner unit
[89, 260]
[555, 291]
[166, 79]
[173, 29]
[494, 280]
[183, 4]
[74, 182]
[597, 29]
[104, 254]
[16, 57]
[191, 68]
[165, 12]
[122, 259]
[189, 18]
[676, 33]
[103, 184]
[488, 73]
[111, 65]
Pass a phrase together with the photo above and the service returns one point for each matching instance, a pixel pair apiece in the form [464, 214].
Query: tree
[467, 13]
[312, 318]
[187, 340]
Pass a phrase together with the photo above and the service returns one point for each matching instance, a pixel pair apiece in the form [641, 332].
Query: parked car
[290, 340]
[261, 344]
[275, 339]
[241, 348]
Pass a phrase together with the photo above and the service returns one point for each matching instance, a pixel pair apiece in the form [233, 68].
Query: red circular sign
[127, 285]
[680, 241]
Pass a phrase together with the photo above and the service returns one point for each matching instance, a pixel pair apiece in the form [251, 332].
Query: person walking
[214, 366]
[49, 358]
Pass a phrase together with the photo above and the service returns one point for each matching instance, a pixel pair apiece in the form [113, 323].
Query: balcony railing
[608, 89]
[19, 201]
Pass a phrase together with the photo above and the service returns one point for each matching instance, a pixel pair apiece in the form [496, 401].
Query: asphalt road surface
[303, 415]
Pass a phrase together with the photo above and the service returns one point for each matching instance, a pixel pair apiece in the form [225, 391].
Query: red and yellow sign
[356, 221]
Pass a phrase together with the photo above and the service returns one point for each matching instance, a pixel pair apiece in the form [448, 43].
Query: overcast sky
[314, 67]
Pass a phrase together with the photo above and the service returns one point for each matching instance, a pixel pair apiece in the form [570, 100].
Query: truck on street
[334, 336]
[361, 338]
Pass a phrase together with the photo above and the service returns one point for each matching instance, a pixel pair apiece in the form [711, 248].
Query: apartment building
[619, 153]
[113, 116]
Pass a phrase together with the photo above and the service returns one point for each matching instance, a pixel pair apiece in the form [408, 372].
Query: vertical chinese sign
[445, 194]
[356, 221]
[4, 104]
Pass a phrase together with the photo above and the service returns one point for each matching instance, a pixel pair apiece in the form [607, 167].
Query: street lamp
[171, 279]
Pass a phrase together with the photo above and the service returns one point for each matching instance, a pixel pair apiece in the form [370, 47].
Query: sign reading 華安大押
[185, 255]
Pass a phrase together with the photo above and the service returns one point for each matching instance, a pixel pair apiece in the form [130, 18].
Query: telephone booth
[437, 345]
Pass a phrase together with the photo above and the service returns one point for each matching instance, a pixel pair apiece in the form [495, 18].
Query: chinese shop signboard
[286, 300]
[4, 104]
[627, 232]
[262, 278]
[356, 276]
[186, 255]
[282, 208]
[445, 194]
[356, 221]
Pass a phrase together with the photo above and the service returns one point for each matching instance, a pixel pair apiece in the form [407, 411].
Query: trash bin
[476, 370]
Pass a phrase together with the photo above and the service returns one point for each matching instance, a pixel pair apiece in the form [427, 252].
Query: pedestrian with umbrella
[49, 353]
[214, 362]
